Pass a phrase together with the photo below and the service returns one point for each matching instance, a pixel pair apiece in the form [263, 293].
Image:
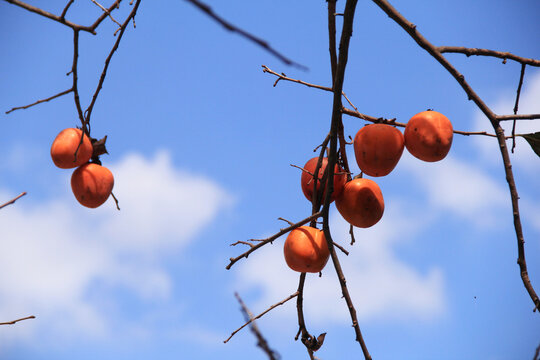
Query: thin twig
[516, 105]
[230, 27]
[261, 341]
[282, 76]
[106, 11]
[47, 14]
[351, 232]
[12, 201]
[271, 238]
[88, 111]
[103, 16]
[486, 52]
[400, 124]
[16, 321]
[41, 101]
[66, 8]
[261, 315]
[517, 117]
[341, 248]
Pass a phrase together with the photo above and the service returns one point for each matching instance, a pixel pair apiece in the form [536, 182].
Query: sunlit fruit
[65, 145]
[378, 148]
[307, 180]
[306, 250]
[361, 204]
[92, 184]
[428, 136]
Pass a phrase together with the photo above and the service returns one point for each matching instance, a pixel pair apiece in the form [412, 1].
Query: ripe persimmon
[428, 136]
[308, 181]
[361, 203]
[306, 250]
[92, 184]
[65, 145]
[378, 148]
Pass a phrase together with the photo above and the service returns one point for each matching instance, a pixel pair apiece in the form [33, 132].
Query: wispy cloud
[55, 253]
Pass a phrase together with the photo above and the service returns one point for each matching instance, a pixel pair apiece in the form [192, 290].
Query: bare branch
[66, 8]
[261, 341]
[516, 105]
[100, 19]
[337, 106]
[517, 117]
[47, 14]
[399, 124]
[341, 248]
[12, 201]
[261, 315]
[230, 27]
[106, 11]
[486, 52]
[88, 111]
[41, 101]
[271, 238]
[16, 321]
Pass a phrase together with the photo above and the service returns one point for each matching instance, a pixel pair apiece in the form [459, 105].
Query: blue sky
[201, 144]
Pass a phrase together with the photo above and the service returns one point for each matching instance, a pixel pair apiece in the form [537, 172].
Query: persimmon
[428, 136]
[92, 184]
[65, 145]
[308, 181]
[306, 250]
[361, 204]
[378, 148]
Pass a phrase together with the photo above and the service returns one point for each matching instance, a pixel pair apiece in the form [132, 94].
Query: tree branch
[271, 238]
[12, 201]
[40, 101]
[16, 321]
[47, 14]
[230, 27]
[486, 52]
[261, 341]
[261, 315]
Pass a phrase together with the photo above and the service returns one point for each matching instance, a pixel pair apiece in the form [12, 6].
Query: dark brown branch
[341, 248]
[399, 124]
[47, 14]
[517, 117]
[306, 338]
[516, 105]
[123, 27]
[537, 353]
[271, 238]
[230, 27]
[346, 34]
[41, 101]
[261, 341]
[261, 315]
[16, 321]
[74, 71]
[66, 8]
[103, 16]
[486, 52]
[282, 76]
[107, 12]
[495, 122]
[12, 201]
[332, 36]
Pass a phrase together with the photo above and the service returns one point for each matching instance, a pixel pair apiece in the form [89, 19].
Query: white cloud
[460, 187]
[381, 285]
[55, 252]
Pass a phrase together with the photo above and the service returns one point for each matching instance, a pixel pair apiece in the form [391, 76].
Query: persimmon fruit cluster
[91, 183]
[377, 149]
